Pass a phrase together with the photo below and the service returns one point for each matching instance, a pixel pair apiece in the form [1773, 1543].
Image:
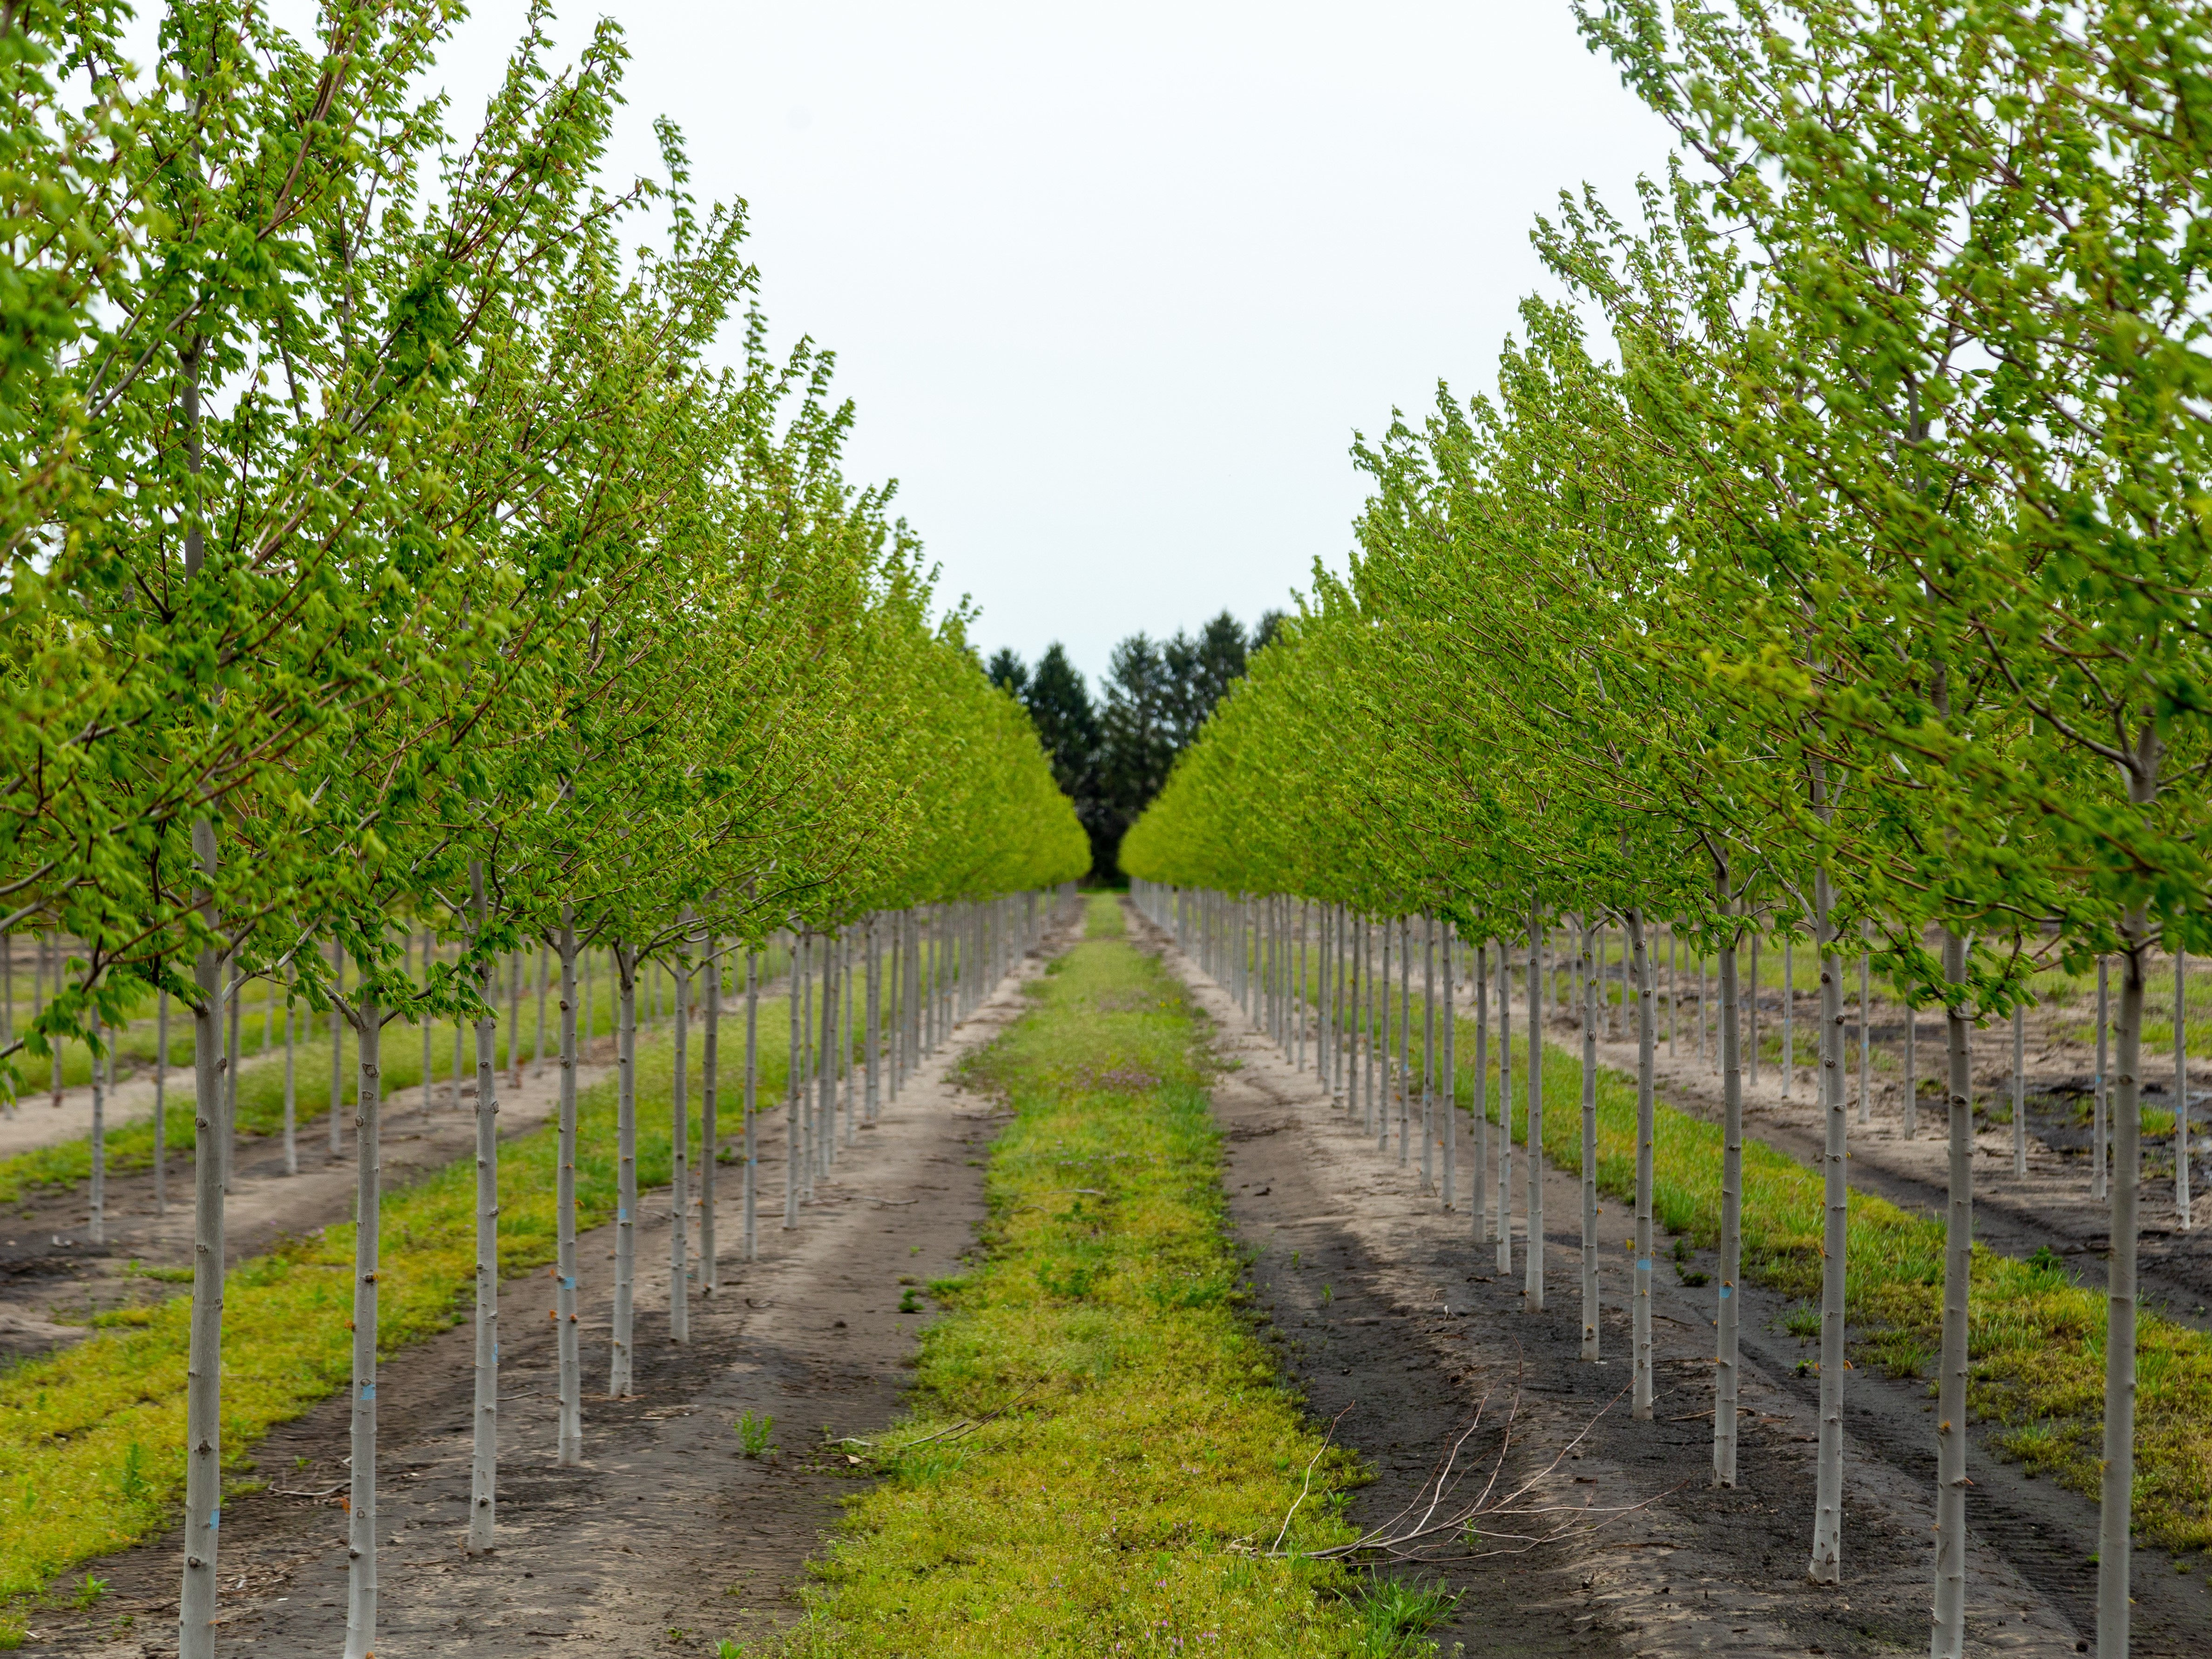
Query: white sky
[1113, 286]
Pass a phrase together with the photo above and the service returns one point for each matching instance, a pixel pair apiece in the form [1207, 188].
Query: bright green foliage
[1145, 1446]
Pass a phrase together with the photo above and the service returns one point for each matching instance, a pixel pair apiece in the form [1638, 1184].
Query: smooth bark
[360, 1510]
[1947, 1628]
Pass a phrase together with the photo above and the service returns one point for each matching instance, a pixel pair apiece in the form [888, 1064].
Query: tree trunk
[160, 1104]
[679, 1165]
[2100, 1108]
[1478, 1108]
[483, 1461]
[202, 1378]
[569, 1441]
[710, 1128]
[1533, 1285]
[360, 1509]
[1788, 1014]
[752, 1104]
[96, 1222]
[1505, 1111]
[1450, 1079]
[875, 1016]
[1948, 1627]
[1727, 1373]
[619, 1346]
[2115, 1515]
[1827, 1562]
[2180, 1089]
[291, 1093]
[1590, 999]
[794, 1141]
[1646, 1142]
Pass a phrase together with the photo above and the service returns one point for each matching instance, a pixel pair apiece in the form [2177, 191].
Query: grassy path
[1142, 1440]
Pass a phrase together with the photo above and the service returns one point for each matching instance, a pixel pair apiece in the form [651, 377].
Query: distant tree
[1113, 757]
[1005, 668]
[1265, 629]
[1067, 725]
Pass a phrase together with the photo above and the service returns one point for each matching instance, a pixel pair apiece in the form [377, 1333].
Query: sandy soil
[1385, 1308]
[668, 1538]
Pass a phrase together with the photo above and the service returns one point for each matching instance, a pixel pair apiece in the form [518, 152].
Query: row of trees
[383, 550]
[1862, 588]
[1112, 757]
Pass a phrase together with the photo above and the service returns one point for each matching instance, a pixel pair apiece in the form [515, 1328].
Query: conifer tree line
[1848, 582]
[386, 553]
[1111, 756]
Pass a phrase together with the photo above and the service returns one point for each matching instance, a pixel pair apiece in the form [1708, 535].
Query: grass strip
[1144, 1439]
[2037, 1339]
[92, 1437]
[260, 1102]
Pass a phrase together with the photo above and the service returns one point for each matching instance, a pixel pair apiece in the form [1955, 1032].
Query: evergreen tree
[1005, 668]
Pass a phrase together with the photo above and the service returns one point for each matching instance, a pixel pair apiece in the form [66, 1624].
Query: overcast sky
[1113, 286]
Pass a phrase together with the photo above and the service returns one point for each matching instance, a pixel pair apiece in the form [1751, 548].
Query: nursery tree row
[1851, 582]
[384, 549]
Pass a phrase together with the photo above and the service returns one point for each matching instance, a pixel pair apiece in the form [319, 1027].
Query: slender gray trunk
[752, 1104]
[1532, 1262]
[2019, 1091]
[825, 1109]
[1827, 1562]
[291, 1095]
[1948, 1630]
[1451, 1076]
[619, 1348]
[338, 1051]
[2099, 1105]
[96, 1224]
[875, 1018]
[710, 1129]
[360, 1513]
[204, 1375]
[483, 1453]
[1727, 1373]
[1478, 1109]
[2115, 1517]
[794, 1141]
[1505, 1111]
[569, 1436]
[161, 1104]
[1646, 1142]
[1589, 1000]
[2180, 1089]
[1788, 1013]
[680, 1165]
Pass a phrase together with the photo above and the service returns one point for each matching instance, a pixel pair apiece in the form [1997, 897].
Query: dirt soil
[1385, 1308]
[668, 1537]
